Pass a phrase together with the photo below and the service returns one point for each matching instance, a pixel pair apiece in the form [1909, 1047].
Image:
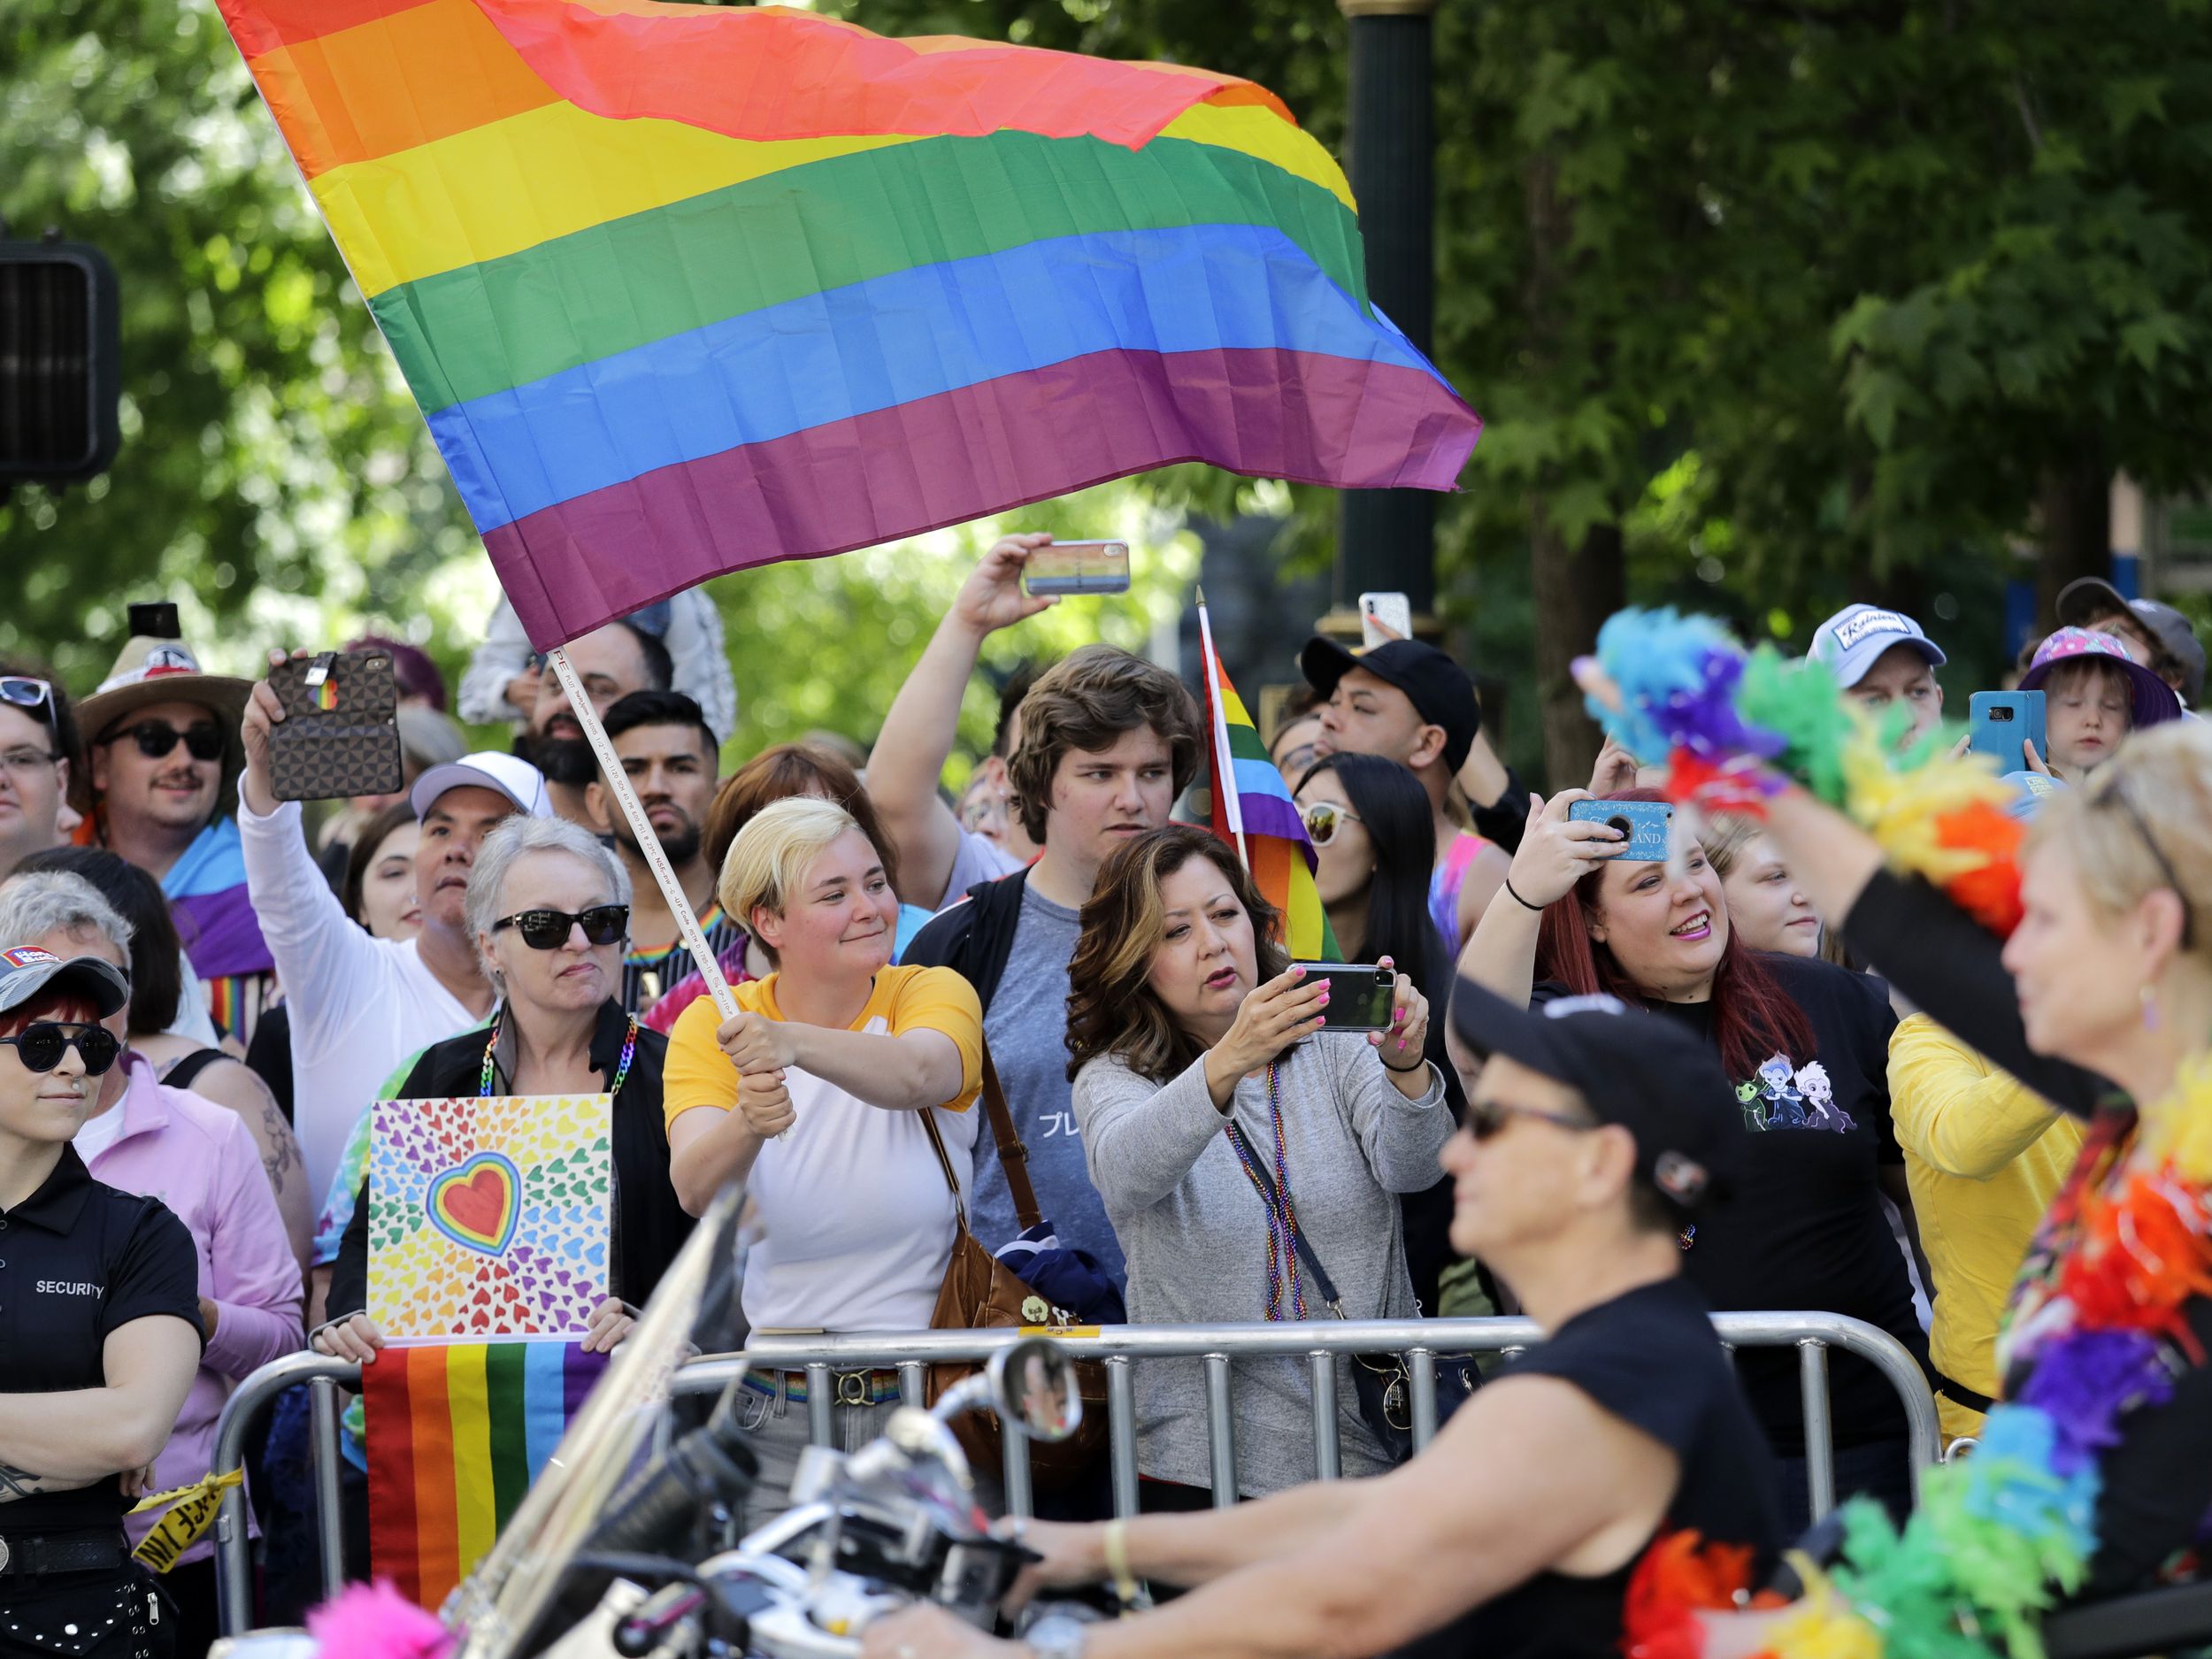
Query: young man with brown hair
[1107, 741]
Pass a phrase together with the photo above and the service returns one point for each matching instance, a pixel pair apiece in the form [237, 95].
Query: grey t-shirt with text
[1027, 1025]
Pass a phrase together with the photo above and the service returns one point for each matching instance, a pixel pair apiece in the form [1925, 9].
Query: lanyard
[621, 1072]
[1282, 1221]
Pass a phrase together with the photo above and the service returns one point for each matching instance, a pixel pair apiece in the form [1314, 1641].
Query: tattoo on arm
[21, 1483]
[283, 1146]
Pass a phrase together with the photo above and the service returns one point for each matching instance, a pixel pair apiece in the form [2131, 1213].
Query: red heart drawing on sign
[478, 1204]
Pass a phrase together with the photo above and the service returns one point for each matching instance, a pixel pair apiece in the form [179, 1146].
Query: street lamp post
[1385, 541]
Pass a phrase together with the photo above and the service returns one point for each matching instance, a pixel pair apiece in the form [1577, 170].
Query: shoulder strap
[944, 1162]
[991, 941]
[180, 1075]
[1013, 1156]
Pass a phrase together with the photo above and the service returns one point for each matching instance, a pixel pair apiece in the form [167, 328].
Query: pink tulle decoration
[375, 1621]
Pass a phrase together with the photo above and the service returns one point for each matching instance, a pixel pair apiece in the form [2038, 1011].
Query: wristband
[1115, 1547]
[1405, 1071]
[1518, 900]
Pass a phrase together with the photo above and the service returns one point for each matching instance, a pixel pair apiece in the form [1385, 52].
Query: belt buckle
[852, 1389]
[3, 1555]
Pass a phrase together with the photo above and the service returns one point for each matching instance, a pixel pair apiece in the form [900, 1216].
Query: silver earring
[2148, 996]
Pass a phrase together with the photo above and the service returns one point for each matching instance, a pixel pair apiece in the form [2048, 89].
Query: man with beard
[165, 759]
[612, 662]
[668, 754]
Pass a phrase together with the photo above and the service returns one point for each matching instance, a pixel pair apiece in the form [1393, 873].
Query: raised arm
[1555, 853]
[909, 755]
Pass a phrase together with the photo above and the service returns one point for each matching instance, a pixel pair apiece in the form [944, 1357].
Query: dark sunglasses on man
[39, 1044]
[1487, 1119]
[547, 930]
[202, 740]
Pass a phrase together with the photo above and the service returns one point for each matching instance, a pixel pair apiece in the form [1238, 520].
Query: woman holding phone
[1220, 1119]
[1806, 1045]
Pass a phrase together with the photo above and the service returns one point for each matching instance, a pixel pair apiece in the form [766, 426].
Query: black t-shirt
[1805, 1228]
[79, 1260]
[1648, 1357]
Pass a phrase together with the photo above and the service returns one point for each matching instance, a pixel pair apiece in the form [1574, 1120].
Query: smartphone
[340, 734]
[1393, 610]
[1359, 994]
[1648, 824]
[1082, 569]
[1999, 720]
[154, 620]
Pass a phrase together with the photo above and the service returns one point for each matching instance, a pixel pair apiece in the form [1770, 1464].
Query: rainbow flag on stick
[683, 288]
[456, 1432]
[1254, 813]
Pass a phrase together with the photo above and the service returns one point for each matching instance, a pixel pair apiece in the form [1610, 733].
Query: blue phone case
[1649, 824]
[2000, 719]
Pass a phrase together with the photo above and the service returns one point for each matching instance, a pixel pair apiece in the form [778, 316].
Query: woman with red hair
[1806, 1044]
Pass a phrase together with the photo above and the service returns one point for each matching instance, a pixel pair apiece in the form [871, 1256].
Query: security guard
[99, 1330]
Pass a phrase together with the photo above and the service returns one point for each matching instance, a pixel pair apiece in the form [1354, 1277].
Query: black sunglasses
[39, 1045]
[547, 930]
[1487, 1119]
[202, 740]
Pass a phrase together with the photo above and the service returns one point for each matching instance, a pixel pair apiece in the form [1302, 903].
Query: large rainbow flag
[1254, 813]
[684, 288]
[454, 1434]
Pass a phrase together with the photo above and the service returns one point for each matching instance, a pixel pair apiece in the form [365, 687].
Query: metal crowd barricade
[1119, 1346]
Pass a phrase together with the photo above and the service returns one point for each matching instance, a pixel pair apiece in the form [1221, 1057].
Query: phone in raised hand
[1081, 570]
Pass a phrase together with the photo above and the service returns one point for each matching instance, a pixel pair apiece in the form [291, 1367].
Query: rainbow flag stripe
[1253, 810]
[684, 288]
[455, 1434]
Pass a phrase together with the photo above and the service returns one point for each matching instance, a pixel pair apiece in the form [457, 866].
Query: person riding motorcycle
[1594, 1134]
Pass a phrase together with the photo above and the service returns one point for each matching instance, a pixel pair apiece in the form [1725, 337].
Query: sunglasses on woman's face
[202, 740]
[39, 1045]
[1324, 819]
[547, 930]
[1487, 1119]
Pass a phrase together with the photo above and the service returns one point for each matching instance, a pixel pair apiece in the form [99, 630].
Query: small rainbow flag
[1254, 813]
[681, 288]
[455, 1434]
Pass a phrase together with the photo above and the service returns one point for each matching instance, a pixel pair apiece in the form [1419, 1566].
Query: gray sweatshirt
[1195, 1231]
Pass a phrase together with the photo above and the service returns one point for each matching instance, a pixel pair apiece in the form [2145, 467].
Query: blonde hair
[1725, 838]
[772, 854]
[2151, 802]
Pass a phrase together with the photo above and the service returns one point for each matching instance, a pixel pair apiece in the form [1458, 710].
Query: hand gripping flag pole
[695, 937]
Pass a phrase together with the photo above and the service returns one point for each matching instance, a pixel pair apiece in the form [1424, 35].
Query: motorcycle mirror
[1033, 1386]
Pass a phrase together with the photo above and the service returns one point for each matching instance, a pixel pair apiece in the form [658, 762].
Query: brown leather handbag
[980, 1293]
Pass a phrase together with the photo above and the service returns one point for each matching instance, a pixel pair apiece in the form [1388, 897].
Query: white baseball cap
[510, 774]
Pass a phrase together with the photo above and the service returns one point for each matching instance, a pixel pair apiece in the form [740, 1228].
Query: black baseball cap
[2091, 597]
[1647, 1073]
[1439, 690]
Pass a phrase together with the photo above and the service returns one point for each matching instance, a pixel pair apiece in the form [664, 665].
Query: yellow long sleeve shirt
[1984, 1156]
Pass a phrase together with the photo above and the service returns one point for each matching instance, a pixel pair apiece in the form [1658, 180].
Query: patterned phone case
[340, 737]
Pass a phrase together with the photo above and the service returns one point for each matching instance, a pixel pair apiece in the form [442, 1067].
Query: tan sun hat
[150, 670]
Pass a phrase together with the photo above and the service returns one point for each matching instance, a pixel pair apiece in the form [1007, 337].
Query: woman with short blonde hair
[838, 1093]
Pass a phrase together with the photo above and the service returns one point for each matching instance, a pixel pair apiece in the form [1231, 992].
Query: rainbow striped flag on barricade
[456, 1432]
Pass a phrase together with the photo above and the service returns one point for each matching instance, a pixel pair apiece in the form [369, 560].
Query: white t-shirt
[360, 1005]
[847, 1198]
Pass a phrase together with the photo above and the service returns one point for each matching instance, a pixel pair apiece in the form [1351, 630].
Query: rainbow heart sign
[489, 1217]
[477, 1205]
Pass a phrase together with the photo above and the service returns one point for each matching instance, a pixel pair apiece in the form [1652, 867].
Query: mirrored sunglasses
[20, 691]
[1324, 819]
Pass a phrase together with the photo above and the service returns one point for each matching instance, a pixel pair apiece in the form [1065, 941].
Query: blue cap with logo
[1852, 642]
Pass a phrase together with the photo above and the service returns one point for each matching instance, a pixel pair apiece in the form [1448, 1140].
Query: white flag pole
[1224, 764]
[695, 937]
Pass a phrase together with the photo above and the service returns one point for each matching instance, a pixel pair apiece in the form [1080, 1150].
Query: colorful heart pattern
[478, 1204]
[489, 1217]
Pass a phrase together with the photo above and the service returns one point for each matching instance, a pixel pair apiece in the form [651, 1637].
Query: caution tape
[192, 1511]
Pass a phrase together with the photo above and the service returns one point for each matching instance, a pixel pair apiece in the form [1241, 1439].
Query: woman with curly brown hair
[1219, 1121]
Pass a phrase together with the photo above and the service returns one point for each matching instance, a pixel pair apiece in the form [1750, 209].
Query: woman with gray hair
[549, 907]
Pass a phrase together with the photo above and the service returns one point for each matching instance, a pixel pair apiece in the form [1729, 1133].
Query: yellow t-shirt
[698, 1073]
[1984, 1156]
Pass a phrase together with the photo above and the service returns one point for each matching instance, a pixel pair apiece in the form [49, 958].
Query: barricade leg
[322, 1397]
[1121, 1432]
[1820, 1451]
[1221, 1430]
[1421, 1383]
[1328, 1454]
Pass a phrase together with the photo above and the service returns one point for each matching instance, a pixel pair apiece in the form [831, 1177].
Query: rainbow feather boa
[2099, 1325]
[1729, 720]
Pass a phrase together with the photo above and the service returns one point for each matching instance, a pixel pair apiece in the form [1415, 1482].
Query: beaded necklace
[489, 1074]
[1282, 1221]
